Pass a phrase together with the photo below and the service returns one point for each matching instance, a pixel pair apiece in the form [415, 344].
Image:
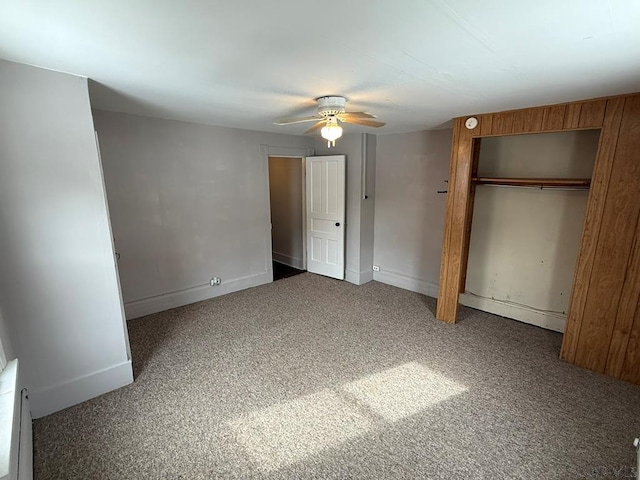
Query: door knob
[337, 224]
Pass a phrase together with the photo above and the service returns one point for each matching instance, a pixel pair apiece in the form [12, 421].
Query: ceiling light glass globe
[331, 132]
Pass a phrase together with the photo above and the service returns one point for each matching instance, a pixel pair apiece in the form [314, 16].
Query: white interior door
[325, 215]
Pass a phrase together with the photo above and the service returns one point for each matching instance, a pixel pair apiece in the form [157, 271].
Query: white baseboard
[358, 278]
[366, 276]
[551, 321]
[294, 262]
[548, 320]
[160, 303]
[352, 277]
[58, 397]
[406, 282]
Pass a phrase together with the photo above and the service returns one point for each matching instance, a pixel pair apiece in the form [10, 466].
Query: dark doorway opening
[280, 271]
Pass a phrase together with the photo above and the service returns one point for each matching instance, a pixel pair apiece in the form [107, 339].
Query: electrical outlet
[376, 268]
[216, 281]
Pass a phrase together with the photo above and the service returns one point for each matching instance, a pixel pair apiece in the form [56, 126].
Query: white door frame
[304, 204]
[303, 179]
[267, 151]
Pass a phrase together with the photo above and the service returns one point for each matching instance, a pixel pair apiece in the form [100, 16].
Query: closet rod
[537, 187]
[534, 182]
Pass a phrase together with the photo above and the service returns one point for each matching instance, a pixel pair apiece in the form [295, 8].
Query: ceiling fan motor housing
[329, 106]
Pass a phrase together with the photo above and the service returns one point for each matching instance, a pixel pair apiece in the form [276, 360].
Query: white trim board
[406, 282]
[551, 321]
[267, 151]
[166, 301]
[548, 320]
[358, 278]
[294, 262]
[58, 397]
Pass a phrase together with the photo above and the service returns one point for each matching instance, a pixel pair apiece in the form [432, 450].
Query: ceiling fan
[331, 110]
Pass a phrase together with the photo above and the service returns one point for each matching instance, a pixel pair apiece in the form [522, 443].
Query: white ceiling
[414, 63]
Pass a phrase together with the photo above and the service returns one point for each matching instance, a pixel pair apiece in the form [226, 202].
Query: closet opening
[288, 211]
[528, 197]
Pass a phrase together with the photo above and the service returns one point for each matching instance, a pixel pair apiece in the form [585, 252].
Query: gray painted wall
[409, 214]
[188, 202]
[285, 189]
[359, 212]
[58, 282]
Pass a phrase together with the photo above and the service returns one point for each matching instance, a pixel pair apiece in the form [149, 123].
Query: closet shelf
[535, 182]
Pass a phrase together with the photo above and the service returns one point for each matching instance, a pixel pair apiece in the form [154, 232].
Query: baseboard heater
[16, 440]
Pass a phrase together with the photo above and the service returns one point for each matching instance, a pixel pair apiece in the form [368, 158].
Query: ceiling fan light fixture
[330, 111]
[331, 131]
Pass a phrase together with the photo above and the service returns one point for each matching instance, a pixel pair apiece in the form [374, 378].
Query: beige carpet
[314, 378]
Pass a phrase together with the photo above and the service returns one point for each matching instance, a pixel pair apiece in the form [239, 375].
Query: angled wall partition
[59, 291]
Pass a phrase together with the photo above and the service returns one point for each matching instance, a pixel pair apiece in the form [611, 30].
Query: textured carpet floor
[314, 378]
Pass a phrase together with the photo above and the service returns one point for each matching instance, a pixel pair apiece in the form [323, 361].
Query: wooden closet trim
[610, 339]
[600, 181]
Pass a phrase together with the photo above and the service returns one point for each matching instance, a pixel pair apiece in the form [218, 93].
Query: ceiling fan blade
[317, 126]
[289, 121]
[356, 115]
[365, 122]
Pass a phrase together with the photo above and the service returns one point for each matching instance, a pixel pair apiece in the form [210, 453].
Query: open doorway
[288, 211]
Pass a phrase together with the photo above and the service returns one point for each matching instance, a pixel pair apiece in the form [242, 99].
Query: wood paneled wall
[603, 321]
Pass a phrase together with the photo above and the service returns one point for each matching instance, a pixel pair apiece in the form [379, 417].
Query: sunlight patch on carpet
[403, 391]
[288, 432]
